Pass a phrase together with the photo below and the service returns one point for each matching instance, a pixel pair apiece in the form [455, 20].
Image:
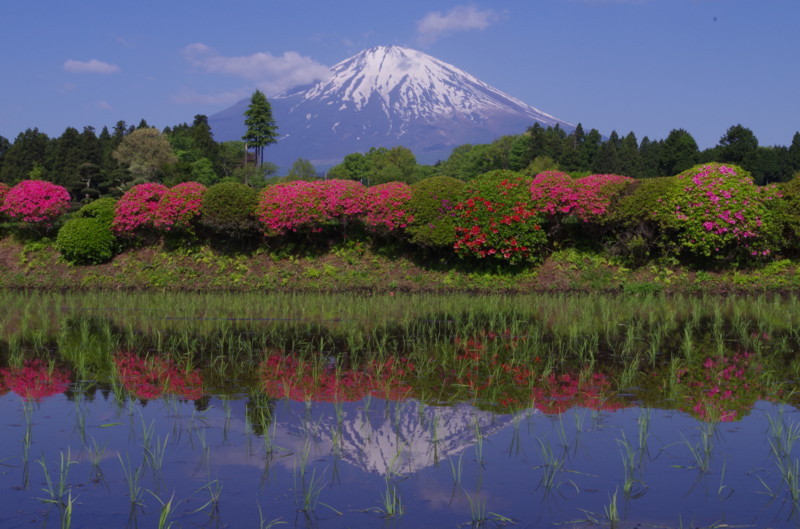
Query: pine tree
[261, 127]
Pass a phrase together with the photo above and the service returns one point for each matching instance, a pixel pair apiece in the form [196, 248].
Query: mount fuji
[384, 97]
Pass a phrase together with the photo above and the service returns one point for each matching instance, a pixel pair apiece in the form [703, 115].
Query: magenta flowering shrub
[719, 212]
[554, 193]
[388, 207]
[301, 205]
[597, 192]
[588, 198]
[343, 199]
[136, 209]
[179, 206]
[496, 219]
[35, 202]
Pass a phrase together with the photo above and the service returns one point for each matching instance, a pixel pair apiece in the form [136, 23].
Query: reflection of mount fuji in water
[390, 437]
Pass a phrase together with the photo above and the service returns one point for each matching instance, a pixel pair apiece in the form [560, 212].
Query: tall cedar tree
[261, 127]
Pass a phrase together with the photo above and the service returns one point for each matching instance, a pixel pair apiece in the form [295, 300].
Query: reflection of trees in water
[389, 437]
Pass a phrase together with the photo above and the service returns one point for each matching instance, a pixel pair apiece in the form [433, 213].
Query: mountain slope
[383, 97]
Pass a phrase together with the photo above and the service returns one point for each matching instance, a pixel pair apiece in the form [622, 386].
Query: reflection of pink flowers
[724, 388]
[35, 380]
[35, 202]
[282, 376]
[150, 378]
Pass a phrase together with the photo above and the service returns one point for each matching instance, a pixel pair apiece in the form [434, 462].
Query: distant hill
[383, 97]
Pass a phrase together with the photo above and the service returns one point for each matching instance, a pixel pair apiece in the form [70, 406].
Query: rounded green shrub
[433, 203]
[640, 220]
[229, 209]
[101, 209]
[86, 240]
[496, 219]
[787, 210]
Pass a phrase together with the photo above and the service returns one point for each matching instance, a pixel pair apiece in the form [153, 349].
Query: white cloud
[92, 66]
[460, 18]
[103, 105]
[272, 73]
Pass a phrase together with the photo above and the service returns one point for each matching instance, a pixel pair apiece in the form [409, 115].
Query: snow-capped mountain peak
[387, 96]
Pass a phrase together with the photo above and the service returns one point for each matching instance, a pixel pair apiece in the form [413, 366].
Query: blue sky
[643, 65]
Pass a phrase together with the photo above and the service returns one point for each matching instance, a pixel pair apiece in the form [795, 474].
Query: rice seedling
[391, 502]
[552, 465]
[132, 479]
[214, 489]
[166, 511]
[56, 490]
[263, 523]
[96, 454]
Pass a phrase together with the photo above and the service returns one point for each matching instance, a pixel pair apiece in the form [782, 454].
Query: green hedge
[433, 203]
[86, 240]
[229, 209]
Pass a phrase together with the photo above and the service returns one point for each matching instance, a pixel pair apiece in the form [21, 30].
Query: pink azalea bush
[557, 194]
[301, 205]
[597, 192]
[179, 206]
[388, 207]
[718, 211]
[35, 202]
[136, 209]
[496, 219]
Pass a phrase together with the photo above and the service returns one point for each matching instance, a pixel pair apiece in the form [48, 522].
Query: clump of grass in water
[60, 493]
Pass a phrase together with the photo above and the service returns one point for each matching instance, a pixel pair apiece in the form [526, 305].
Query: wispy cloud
[460, 18]
[92, 66]
[270, 72]
[103, 105]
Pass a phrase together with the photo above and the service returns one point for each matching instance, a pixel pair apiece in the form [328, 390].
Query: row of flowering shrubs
[711, 212]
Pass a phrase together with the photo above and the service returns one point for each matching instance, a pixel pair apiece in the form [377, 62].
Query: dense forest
[91, 165]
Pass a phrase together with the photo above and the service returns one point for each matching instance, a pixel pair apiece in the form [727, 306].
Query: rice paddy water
[130, 409]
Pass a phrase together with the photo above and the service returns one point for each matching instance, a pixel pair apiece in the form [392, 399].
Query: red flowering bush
[35, 202]
[496, 219]
[179, 206]
[35, 380]
[304, 205]
[388, 207]
[151, 378]
[719, 212]
[136, 209]
[588, 198]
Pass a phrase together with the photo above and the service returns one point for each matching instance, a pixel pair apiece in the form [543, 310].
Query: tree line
[90, 165]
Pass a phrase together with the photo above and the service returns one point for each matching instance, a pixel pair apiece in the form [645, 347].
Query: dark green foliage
[261, 127]
[639, 222]
[86, 240]
[787, 209]
[102, 209]
[378, 166]
[228, 209]
[432, 204]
